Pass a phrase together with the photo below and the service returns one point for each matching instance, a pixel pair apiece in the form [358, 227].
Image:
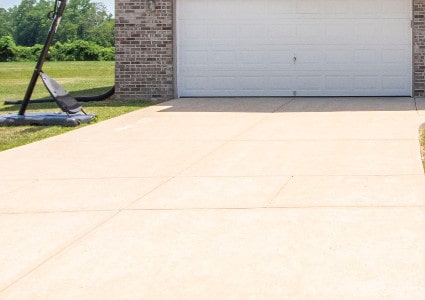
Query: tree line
[86, 31]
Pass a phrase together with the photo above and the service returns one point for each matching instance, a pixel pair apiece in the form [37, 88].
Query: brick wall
[419, 47]
[144, 50]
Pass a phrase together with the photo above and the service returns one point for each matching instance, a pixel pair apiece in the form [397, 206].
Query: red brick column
[419, 47]
[143, 50]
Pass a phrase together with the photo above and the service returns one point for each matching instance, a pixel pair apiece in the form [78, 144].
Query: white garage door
[294, 47]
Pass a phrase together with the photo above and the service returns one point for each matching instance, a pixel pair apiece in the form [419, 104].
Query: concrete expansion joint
[64, 247]
[282, 207]
[55, 211]
[174, 177]
[262, 119]
[281, 189]
[147, 193]
[292, 99]
[416, 105]
[260, 207]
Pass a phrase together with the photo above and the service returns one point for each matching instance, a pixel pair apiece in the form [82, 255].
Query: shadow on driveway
[289, 104]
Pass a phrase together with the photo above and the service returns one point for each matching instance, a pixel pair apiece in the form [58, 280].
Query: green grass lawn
[79, 78]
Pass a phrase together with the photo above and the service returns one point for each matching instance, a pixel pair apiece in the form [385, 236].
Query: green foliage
[73, 51]
[28, 53]
[80, 51]
[84, 20]
[6, 26]
[7, 48]
[30, 22]
[103, 34]
[86, 32]
[107, 54]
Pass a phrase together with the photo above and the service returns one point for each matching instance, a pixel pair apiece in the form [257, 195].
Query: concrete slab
[353, 191]
[213, 192]
[246, 254]
[29, 240]
[280, 198]
[50, 195]
[306, 157]
[336, 125]
[11, 186]
[172, 126]
[91, 159]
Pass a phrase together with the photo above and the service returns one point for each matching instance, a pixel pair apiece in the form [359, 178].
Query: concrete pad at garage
[275, 198]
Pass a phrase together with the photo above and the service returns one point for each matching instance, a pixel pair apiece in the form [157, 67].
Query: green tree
[86, 20]
[7, 48]
[83, 20]
[6, 24]
[102, 34]
[30, 21]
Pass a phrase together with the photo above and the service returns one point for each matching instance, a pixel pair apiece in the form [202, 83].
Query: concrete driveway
[306, 198]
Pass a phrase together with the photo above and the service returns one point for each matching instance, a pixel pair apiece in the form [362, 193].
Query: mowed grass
[79, 78]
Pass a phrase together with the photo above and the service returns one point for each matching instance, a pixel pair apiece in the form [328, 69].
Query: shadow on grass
[31, 129]
[88, 92]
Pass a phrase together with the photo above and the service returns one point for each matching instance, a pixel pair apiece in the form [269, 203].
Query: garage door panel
[222, 32]
[308, 82]
[393, 82]
[395, 30]
[395, 56]
[248, 57]
[367, 31]
[310, 32]
[338, 83]
[287, 31]
[365, 56]
[287, 47]
[396, 9]
[340, 57]
[309, 7]
[337, 7]
[366, 83]
[309, 57]
[252, 10]
[274, 8]
[280, 59]
[368, 8]
[281, 84]
[253, 32]
[193, 10]
[340, 31]
[221, 82]
[252, 83]
[215, 8]
[224, 57]
[194, 83]
[193, 30]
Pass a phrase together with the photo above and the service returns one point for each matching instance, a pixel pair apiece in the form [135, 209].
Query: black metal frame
[56, 16]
